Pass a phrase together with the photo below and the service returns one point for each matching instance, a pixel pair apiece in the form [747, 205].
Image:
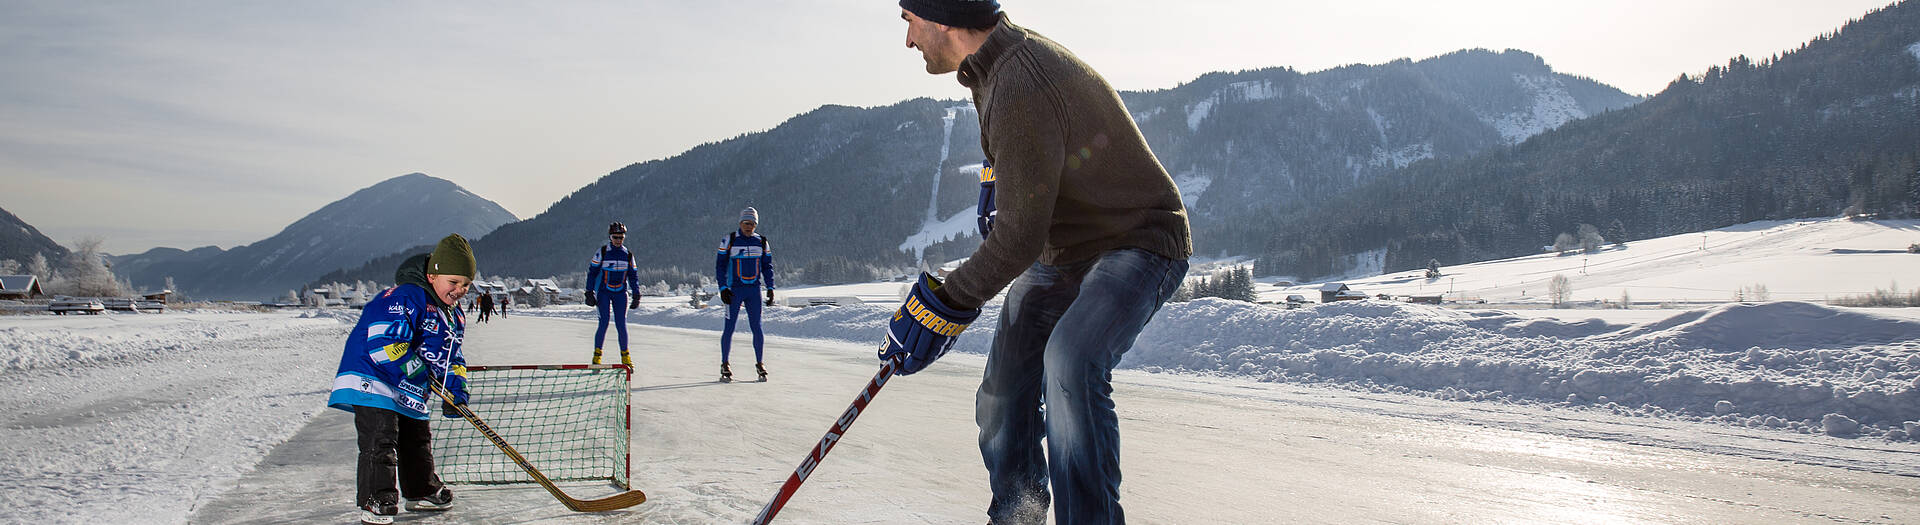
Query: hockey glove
[769, 297]
[448, 410]
[633, 302]
[726, 296]
[986, 208]
[590, 298]
[923, 329]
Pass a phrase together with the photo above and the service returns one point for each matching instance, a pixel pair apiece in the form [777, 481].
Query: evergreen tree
[1242, 285]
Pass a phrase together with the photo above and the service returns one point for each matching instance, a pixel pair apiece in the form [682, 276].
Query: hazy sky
[188, 123]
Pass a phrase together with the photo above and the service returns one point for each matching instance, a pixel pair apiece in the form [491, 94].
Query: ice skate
[378, 513]
[437, 501]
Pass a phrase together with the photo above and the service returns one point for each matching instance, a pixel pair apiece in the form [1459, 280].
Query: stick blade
[614, 502]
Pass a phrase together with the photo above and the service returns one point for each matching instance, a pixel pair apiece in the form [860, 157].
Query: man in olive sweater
[1090, 233]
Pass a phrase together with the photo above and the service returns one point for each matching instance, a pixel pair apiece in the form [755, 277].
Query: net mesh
[570, 423]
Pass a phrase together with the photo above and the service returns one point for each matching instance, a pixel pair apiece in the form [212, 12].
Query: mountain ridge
[388, 216]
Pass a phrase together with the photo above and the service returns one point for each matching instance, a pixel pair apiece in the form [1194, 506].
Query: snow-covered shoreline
[123, 418]
[1786, 365]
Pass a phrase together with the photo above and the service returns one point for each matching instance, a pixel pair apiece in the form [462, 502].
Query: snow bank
[34, 342]
[1785, 365]
[124, 418]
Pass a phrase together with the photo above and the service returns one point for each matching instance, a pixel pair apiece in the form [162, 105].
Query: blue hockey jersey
[403, 341]
[744, 260]
[612, 271]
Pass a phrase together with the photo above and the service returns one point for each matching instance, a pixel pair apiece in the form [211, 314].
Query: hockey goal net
[571, 421]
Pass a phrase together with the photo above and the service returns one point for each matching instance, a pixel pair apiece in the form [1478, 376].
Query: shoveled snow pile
[1790, 365]
[121, 418]
[29, 344]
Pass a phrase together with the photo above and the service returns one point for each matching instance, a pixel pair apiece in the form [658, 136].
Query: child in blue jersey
[407, 338]
[611, 278]
[744, 263]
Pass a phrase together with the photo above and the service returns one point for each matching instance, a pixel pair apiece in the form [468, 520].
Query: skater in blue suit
[614, 287]
[744, 263]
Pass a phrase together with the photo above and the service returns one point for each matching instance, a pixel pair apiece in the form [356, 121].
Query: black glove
[447, 409]
[590, 298]
[633, 302]
[726, 297]
[769, 297]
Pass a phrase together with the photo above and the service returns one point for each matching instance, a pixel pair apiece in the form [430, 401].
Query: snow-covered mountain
[1826, 129]
[1255, 141]
[387, 217]
[894, 185]
[20, 241]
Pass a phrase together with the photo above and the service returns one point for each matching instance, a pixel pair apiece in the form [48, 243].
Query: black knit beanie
[975, 14]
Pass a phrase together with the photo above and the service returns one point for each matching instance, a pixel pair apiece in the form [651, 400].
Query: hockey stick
[834, 432]
[614, 502]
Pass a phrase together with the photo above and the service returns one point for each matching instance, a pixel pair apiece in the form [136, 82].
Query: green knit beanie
[452, 257]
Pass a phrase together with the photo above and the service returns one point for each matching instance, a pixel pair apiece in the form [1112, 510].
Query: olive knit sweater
[1074, 175]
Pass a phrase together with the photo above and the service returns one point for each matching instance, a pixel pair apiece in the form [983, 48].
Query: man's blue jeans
[1061, 332]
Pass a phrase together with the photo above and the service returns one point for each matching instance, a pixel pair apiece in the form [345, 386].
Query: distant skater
[744, 263]
[610, 280]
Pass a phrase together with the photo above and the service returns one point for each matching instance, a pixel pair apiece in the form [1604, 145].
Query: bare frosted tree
[85, 273]
[39, 268]
[1590, 239]
[1559, 290]
[9, 267]
[1565, 243]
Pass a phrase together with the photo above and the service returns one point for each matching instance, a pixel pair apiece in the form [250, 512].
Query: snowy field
[1801, 260]
[1788, 411]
